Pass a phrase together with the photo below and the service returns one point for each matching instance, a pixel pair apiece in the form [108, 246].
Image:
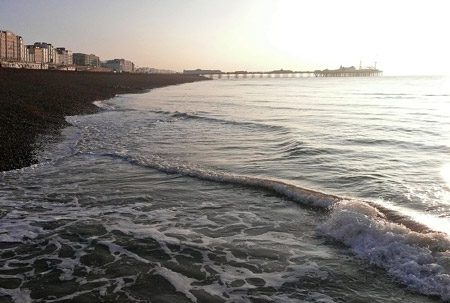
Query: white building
[119, 65]
[63, 56]
[150, 70]
[11, 47]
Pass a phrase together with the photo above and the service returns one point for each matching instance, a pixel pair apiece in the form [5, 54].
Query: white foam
[16, 227]
[104, 105]
[229, 274]
[120, 283]
[17, 295]
[420, 261]
[71, 296]
[318, 298]
[116, 250]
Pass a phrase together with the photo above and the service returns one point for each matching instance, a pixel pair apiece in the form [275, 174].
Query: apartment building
[80, 59]
[119, 65]
[63, 56]
[48, 51]
[29, 53]
[14, 53]
[94, 60]
[86, 60]
[150, 70]
[38, 54]
[11, 46]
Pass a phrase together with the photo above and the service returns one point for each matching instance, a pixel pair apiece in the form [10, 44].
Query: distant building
[48, 51]
[63, 56]
[149, 70]
[80, 59]
[119, 65]
[38, 54]
[59, 57]
[11, 46]
[15, 54]
[94, 60]
[86, 60]
[202, 71]
[29, 53]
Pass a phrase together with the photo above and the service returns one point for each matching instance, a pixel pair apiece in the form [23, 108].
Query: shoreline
[34, 104]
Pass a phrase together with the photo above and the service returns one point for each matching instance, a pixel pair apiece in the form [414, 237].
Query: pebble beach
[34, 104]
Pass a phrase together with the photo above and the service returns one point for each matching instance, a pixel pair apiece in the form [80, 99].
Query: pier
[217, 74]
[242, 74]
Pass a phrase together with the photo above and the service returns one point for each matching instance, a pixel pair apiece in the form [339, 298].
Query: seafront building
[81, 59]
[40, 55]
[94, 60]
[119, 65]
[12, 47]
[150, 70]
[43, 55]
[29, 54]
[47, 51]
[64, 56]
[89, 60]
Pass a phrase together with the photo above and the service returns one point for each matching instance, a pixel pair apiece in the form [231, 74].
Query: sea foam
[421, 261]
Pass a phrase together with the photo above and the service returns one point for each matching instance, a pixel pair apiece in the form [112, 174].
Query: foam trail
[104, 105]
[295, 193]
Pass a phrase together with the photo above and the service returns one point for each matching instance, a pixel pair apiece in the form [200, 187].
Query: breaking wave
[411, 252]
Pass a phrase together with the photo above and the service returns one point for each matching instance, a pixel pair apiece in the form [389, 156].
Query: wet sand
[34, 104]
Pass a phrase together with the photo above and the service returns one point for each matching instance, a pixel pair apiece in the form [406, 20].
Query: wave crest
[421, 261]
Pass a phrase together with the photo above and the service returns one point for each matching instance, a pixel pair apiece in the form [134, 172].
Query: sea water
[239, 190]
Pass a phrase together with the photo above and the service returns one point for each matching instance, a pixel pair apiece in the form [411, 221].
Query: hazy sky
[404, 37]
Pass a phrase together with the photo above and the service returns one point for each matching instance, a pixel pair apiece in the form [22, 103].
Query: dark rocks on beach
[34, 104]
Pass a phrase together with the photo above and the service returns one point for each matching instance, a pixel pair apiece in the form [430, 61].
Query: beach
[34, 104]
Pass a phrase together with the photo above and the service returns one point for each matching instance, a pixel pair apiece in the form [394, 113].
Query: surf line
[294, 193]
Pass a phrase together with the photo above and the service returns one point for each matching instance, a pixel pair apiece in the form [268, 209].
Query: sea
[239, 190]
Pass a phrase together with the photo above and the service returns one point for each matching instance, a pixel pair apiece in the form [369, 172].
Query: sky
[403, 37]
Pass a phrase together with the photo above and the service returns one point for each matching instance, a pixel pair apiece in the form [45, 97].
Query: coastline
[34, 103]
